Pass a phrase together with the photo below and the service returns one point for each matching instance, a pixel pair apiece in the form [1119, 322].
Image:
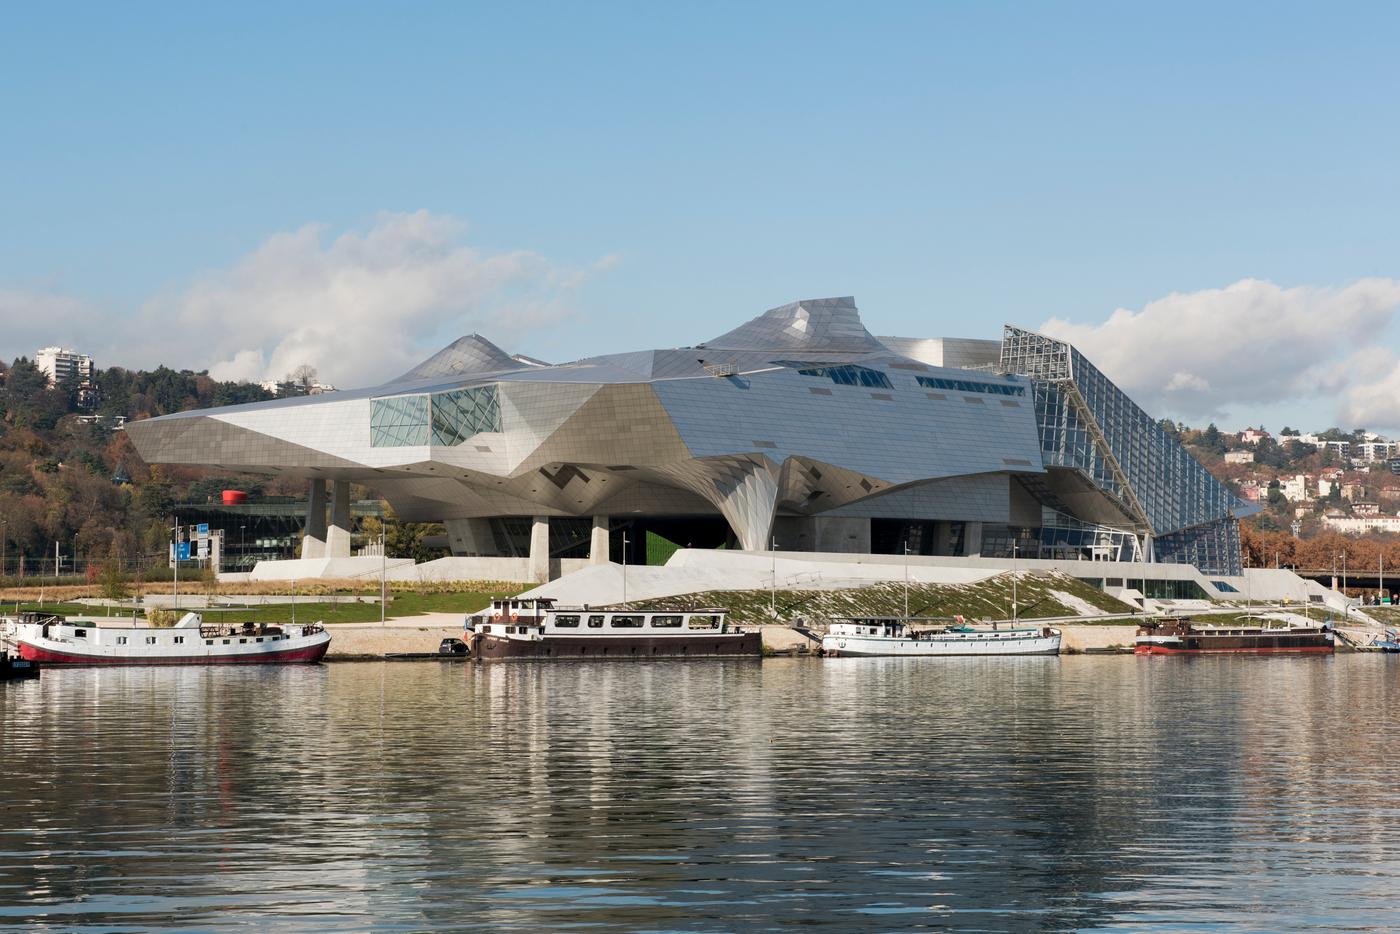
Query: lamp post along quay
[624, 568]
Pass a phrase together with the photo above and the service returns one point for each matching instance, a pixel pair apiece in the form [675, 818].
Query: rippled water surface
[881, 794]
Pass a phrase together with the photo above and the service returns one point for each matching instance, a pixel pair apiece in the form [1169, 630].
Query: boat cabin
[531, 621]
[894, 627]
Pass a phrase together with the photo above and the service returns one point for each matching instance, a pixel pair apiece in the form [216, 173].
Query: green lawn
[400, 604]
[1319, 614]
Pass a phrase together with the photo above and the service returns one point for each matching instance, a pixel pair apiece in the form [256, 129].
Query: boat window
[179, 640]
[703, 622]
[595, 622]
[225, 642]
[666, 622]
[566, 622]
[79, 633]
[150, 640]
[242, 640]
[258, 639]
[121, 640]
[208, 641]
[627, 622]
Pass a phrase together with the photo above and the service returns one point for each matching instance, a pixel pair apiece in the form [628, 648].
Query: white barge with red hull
[525, 629]
[53, 641]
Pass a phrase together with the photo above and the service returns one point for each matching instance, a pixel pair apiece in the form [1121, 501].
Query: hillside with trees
[79, 482]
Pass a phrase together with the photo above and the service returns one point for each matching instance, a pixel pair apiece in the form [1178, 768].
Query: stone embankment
[1097, 637]
[352, 641]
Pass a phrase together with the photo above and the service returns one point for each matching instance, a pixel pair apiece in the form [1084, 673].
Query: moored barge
[54, 641]
[536, 628]
[870, 636]
[16, 669]
[1180, 636]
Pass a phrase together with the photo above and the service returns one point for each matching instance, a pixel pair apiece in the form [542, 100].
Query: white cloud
[31, 320]
[1199, 354]
[1371, 396]
[361, 307]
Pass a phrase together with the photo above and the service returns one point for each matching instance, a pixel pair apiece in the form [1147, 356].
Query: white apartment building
[1295, 489]
[1340, 448]
[60, 363]
[1355, 525]
[1239, 457]
[1371, 451]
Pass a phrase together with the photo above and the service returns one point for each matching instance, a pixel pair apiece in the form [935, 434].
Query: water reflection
[890, 794]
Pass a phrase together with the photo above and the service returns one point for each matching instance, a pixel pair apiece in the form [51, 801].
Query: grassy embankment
[1038, 596]
[1238, 616]
[459, 597]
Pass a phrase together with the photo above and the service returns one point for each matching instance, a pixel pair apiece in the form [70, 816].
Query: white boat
[51, 640]
[866, 636]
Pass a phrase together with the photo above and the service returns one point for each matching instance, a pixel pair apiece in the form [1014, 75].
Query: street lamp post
[1014, 610]
[1344, 579]
[624, 568]
[383, 570]
[175, 555]
[773, 579]
[906, 578]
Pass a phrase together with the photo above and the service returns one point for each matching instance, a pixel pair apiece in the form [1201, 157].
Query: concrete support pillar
[338, 533]
[313, 545]
[539, 550]
[972, 539]
[598, 545]
[471, 538]
[943, 538]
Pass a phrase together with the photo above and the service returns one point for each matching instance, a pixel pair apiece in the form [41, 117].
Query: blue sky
[652, 174]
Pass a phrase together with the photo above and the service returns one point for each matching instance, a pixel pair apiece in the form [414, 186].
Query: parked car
[452, 647]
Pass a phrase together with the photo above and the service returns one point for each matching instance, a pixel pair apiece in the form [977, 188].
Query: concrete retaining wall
[376, 642]
[1079, 638]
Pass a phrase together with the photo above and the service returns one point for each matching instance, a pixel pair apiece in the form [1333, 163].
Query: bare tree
[304, 375]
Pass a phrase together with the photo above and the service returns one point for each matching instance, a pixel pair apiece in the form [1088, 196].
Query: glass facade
[968, 385]
[1088, 424]
[443, 418]
[461, 413]
[398, 421]
[845, 374]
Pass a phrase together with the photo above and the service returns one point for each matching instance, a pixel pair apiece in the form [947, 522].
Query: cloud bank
[361, 306]
[1200, 354]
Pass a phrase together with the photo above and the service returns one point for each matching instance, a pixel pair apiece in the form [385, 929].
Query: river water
[1083, 793]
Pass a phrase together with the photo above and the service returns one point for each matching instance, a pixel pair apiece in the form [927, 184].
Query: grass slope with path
[1037, 597]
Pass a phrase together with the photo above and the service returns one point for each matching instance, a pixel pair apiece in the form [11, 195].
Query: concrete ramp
[693, 570]
[327, 568]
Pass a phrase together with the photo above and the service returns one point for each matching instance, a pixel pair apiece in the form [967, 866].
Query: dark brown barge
[1180, 636]
[536, 629]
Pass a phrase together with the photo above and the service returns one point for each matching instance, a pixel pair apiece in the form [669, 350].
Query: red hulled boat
[55, 641]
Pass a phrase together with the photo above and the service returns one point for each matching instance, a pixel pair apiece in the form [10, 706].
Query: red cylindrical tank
[235, 497]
